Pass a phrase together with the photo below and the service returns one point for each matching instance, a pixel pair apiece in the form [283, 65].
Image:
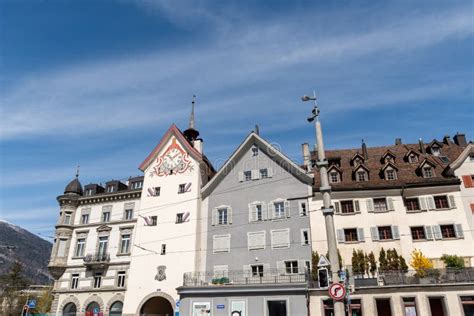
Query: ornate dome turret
[74, 186]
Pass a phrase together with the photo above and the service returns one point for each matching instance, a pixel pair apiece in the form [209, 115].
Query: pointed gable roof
[389, 164]
[357, 154]
[251, 140]
[334, 167]
[388, 152]
[411, 151]
[172, 131]
[426, 161]
[359, 167]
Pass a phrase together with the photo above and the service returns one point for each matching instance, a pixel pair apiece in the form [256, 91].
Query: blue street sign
[220, 306]
[178, 303]
[32, 303]
[96, 310]
[176, 313]
[342, 276]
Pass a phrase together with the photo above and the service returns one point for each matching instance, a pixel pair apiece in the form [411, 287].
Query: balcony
[97, 260]
[230, 278]
[433, 276]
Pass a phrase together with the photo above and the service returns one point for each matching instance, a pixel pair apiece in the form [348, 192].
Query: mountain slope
[30, 250]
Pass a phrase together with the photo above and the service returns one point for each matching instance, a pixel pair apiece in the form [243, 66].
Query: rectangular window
[221, 243]
[280, 238]
[279, 208]
[129, 214]
[259, 213]
[334, 177]
[74, 281]
[137, 185]
[163, 249]
[154, 220]
[121, 279]
[106, 217]
[257, 270]
[264, 173]
[291, 267]
[157, 191]
[67, 219]
[385, 232]
[247, 175]
[256, 240]
[409, 306]
[418, 233]
[304, 237]
[427, 172]
[412, 204]
[361, 176]
[390, 174]
[89, 192]
[103, 243]
[380, 205]
[85, 219]
[413, 158]
[347, 207]
[110, 189]
[350, 234]
[125, 244]
[62, 247]
[97, 280]
[303, 210]
[222, 216]
[179, 218]
[448, 231]
[441, 201]
[80, 246]
[182, 188]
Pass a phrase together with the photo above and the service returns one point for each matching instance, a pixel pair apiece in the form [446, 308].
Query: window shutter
[395, 232]
[337, 207]
[356, 206]
[360, 234]
[374, 232]
[252, 212]
[428, 233]
[423, 203]
[340, 235]
[264, 211]
[229, 215]
[241, 176]
[280, 239]
[431, 203]
[467, 181]
[458, 231]
[270, 172]
[255, 174]
[266, 269]
[301, 266]
[256, 240]
[287, 208]
[281, 267]
[214, 216]
[452, 201]
[390, 204]
[437, 232]
[271, 211]
[247, 270]
[370, 205]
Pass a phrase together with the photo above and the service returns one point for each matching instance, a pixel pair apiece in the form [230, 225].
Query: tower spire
[191, 118]
[191, 133]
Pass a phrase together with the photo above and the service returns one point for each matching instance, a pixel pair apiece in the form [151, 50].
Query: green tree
[373, 263]
[382, 260]
[393, 263]
[452, 261]
[314, 265]
[12, 283]
[403, 264]
[366, 264]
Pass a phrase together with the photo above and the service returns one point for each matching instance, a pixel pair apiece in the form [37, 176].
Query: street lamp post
[327, 209]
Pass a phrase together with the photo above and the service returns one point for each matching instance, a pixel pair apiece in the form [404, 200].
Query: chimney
[257, 130]
[460, 140]
[198, 144]
[422, 146]
[398, 141]
[364, 151]
[447, 140]
[306, 156]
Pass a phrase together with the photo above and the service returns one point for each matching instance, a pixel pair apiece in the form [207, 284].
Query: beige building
[399, 197]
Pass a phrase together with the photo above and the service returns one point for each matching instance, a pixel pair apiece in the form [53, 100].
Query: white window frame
[86, 216]
[253, 212]
[259, 233]
[214, 250]
[121, 252]
[74, 281]
[247, 175]
[67, 219]
[303, 241]
[97, 280]
[163, 249]
[272, 232]
[425, 172]
[83, 247]
[121, 278]
[303, 210]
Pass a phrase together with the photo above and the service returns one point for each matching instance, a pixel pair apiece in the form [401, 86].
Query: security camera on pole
[328, 211]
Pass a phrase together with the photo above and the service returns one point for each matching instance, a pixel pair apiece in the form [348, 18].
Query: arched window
[93, 308]
[70, 309]
[116, 309]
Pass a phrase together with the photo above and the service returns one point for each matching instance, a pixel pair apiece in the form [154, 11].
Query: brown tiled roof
[408, 174]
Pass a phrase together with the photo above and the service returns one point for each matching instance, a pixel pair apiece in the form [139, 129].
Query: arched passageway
[70, 309]
[157, 306]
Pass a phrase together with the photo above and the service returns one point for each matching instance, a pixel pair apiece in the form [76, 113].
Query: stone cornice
[111, 197]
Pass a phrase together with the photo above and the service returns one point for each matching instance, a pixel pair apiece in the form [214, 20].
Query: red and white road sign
[337, 291]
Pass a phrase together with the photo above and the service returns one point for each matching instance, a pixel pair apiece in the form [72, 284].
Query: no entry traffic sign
[337, 291]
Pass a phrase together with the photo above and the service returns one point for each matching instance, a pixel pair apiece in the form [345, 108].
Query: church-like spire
[191, 133]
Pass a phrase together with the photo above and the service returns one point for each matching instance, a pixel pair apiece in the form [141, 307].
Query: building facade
[257, 237]
[401, 198]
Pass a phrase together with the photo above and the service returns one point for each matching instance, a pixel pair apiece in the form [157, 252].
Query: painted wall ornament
[173, 161]
[161, 274]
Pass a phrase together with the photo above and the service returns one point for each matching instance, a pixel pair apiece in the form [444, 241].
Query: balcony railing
[97, 259]
[432, 276]
[229, 278]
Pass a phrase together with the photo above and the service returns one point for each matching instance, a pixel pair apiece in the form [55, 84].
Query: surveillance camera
[310, 119]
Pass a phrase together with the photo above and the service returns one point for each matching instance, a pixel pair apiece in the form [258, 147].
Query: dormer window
[89, 192]
[436, 151]
[334, 177]
[110, 189]
[388, 157]
[428, 172]
[412, 158]
[357, 159]
[390, 174]
[137, 185]
[361, 176]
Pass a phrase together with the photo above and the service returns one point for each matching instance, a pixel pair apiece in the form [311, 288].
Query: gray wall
[238, 195]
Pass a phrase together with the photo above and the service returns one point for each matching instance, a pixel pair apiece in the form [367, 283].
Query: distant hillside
[32, 251]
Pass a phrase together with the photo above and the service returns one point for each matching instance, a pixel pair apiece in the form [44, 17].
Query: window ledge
[416, 211]
[441, 209]
[380, 212]
[347, 214]
[352, 242]
[387, 240]
[80, 257]
[123, 254]
[421, 240]
[278, 219]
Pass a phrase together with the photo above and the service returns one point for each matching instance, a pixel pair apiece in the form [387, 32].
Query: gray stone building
[255, 246]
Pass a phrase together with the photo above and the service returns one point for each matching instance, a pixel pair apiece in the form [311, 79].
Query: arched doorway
[157, 306]
[70, 309]
[116, 309]
[93, 309]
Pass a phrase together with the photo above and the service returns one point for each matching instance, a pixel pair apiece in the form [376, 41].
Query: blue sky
[97, 83]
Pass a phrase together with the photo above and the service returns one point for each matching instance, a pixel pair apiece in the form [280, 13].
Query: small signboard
[220, 306]
[323, 262]
[342, 276]
[32, 303]
[337, 291]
